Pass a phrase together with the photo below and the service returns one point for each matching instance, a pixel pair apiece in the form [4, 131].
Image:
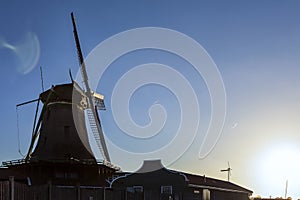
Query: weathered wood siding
[4, 190]
[51, 192]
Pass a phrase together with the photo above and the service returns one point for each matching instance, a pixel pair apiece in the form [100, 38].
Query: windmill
[228, 170]
[60, 150]
[71, 142]
[94, 100]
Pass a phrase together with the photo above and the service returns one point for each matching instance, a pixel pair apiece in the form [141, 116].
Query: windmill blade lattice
[97, 132]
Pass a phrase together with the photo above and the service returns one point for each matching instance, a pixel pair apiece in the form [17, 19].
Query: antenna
[70, 74]
[228, 170]
[42, 78]
[91, 96]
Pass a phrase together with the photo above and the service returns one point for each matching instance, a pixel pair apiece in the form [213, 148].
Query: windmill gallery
[60, 163]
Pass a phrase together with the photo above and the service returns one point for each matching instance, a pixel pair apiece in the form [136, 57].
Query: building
[154, 181]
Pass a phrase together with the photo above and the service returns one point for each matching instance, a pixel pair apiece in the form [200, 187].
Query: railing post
[78, 191]
[50, 189]
[12, 187]
[104, 198]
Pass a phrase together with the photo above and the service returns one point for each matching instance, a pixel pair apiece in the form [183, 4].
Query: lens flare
[26, 52]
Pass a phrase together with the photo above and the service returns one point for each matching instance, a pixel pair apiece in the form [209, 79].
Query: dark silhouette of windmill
[59, 151]
[228, 170]
[59, 137]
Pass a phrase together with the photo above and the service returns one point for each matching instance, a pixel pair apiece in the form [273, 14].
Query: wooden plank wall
[4, 190]
[51, 192]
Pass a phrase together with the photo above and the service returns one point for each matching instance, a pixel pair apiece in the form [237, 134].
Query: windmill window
[130, 189]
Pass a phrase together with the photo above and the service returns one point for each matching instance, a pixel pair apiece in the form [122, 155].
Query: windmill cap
[70, 92]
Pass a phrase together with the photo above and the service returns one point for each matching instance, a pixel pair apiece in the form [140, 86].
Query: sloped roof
[152, 168]
[148, 175]
[198, 181]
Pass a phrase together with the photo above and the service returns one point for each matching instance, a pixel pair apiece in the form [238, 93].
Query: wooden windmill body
[60, 151]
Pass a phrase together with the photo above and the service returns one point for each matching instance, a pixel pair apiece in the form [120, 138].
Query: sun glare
[278, 166]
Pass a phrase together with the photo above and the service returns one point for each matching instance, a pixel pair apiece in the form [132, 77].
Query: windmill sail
[92, 113]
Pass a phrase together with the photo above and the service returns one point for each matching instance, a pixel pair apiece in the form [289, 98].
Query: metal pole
[42, 78]
[286, 188]
[228, 174]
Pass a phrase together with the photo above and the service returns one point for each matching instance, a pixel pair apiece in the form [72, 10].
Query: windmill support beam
[27, 102]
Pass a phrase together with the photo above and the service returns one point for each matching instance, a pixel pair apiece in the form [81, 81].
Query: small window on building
[206, 194]
[166, 189]
[138, 189]
[130, 189]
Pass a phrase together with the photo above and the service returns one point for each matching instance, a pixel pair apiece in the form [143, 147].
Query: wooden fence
[4, 190]
[11, 190]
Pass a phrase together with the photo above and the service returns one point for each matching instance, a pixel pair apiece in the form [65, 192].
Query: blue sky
[255, 44]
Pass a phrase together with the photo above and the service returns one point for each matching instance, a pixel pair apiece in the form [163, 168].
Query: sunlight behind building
[279, 163]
